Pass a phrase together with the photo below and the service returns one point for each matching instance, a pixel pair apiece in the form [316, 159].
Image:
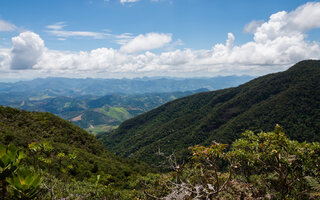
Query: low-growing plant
[24, 184]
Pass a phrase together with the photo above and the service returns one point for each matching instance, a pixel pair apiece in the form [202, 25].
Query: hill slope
[290, 98]
[22, 128]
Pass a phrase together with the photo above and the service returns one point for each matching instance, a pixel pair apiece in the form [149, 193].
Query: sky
[136, 38]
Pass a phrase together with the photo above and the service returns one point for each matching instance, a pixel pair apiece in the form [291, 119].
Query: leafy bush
[267, 165]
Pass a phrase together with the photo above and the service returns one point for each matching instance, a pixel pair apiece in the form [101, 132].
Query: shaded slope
[290, 98]
[23, 128]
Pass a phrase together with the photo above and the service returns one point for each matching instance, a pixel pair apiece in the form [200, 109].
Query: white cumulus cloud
[146, 42]
[252, 26]
[27, 49]
[5, 58]
[305, 17]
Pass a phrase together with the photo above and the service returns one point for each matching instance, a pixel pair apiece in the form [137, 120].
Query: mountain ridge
[290, 98]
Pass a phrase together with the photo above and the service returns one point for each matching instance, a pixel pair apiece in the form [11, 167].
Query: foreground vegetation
[267, 165]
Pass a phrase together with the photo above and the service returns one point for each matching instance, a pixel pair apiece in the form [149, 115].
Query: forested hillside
[290, 98]
[65, 152]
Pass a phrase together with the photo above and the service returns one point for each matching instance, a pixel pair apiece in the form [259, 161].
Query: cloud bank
[277, 44]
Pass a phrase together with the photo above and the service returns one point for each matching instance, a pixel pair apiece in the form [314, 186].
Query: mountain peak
[305, 65]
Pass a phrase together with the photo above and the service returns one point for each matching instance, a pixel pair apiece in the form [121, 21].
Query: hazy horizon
[124, 78]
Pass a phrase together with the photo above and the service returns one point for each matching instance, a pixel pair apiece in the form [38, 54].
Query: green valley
[93, 103]
[107, 111]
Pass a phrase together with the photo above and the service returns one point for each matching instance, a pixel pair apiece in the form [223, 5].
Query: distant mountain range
[52, 87]
[290, 98]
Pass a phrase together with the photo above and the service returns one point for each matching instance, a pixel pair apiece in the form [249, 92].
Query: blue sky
[130, 38]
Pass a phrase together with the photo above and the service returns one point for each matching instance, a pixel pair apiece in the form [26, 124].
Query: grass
[100, 129]
[118, 113]
[38, 98]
